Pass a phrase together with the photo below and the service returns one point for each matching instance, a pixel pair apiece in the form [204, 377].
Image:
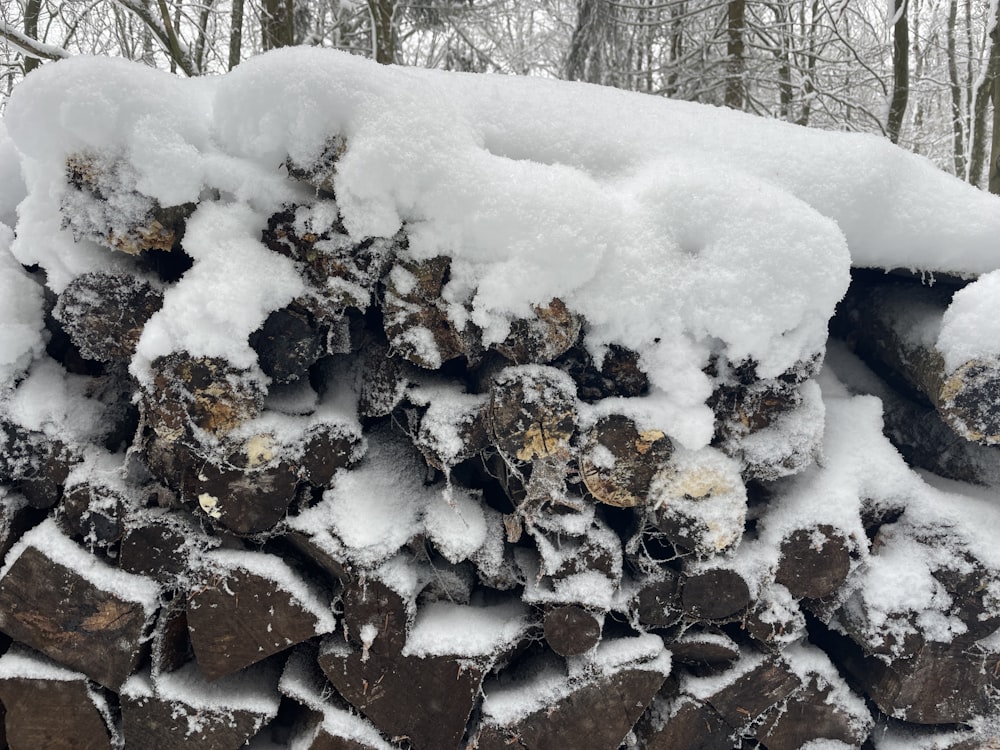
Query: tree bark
[900, 70]
[735, 96]
[235, 34]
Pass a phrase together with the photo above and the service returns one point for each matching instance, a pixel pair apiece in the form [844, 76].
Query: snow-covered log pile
[357, 407]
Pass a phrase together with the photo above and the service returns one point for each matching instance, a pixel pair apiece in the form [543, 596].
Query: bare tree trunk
[957, 135]
[585, 60]
[236, 34]
[200, 42]
[736, 63]
[383, 30]
[31, 13]
[983, 94]
[278, 24]
[900, 70]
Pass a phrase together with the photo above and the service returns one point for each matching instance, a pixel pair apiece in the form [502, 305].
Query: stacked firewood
[391, 534]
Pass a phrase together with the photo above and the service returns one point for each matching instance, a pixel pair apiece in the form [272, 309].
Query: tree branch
[29, 47]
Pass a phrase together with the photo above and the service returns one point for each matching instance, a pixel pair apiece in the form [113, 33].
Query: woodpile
[390, 533]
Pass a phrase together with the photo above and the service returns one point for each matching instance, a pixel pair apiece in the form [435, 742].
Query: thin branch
[29, 47]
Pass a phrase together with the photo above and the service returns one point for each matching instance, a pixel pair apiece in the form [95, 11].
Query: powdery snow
[443, 628]
[536, 189]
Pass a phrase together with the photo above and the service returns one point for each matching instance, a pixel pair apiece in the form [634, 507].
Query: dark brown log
[62, 602]
[811, 713]
[159, 543]
[16, 517]
[327, 447]
[370, 605]
[618, 461]
[177, 710]
[93, 514]
[814, 562]
[532, 412]
[885, 324]
[540, 339]
[700, 647]
[685, 724]
[328, 722]
[416, 317]
[33, 464]
[96, 209]
[596, 714]
[571, 630]
[754, 693]
[715, 594]
[657, 603]
[424, 700]
[206, 393]
[289, 342]
[384, 379]
[247, 607]
[321, 172]
[171, 641]
[618, 373]
[50, 707]
[452, 428]
[775, 620]
[104, 314]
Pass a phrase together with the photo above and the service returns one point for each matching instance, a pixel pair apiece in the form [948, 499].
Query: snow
[536, 190]
[50, 541]
[971, 324]
[443, 628]
[20, 310]
[252, 690]
[21, 662]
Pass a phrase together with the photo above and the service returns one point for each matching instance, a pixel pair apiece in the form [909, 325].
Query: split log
[593, 710]
[684, 723]
[932, 683]
[452, 427]
[93, 509]
[171, 641]
[320, 173]
[106, 207]
[376, 616]
[571, 630]
[16, 517]
[59, 600]
[205, 393]
[657, 603]
[895, 326]
[440, 663]
[532, 412]
[248, 606]
[542, 338]
[104, 314]
[34, 465]
[775, 620]
[175, 710]
[161, 543]
[814, 562]
[618, 461]
[384, 379]
[329, 724]
[48, 706]
[416, 317]
[715, 594]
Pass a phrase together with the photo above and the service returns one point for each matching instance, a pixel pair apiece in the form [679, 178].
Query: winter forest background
[920, 72]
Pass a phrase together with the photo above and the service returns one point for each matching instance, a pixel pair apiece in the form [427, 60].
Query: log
[571, 630]
[451, 428]
[894, 327]
[595, 711]
[532, 412]
[384, 379]
[440, 663]
[657, 603]
[92, 513]
[617, 375]
[698, 502]
[549, 333]
[59, 600]
[416, 317]
[33, 464]
[104, 314]
[701, 647]
[175, 710]
[248, 606]
[376, 616]
[328, 723]
[160, 543]
[171, 641]
[321, 172]
[618, 461]
[814, 562]
[715, 594]
[205, 393]
[288, 343]
[16, 517]
[684, 723]
[106, 207]
[49, 706]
